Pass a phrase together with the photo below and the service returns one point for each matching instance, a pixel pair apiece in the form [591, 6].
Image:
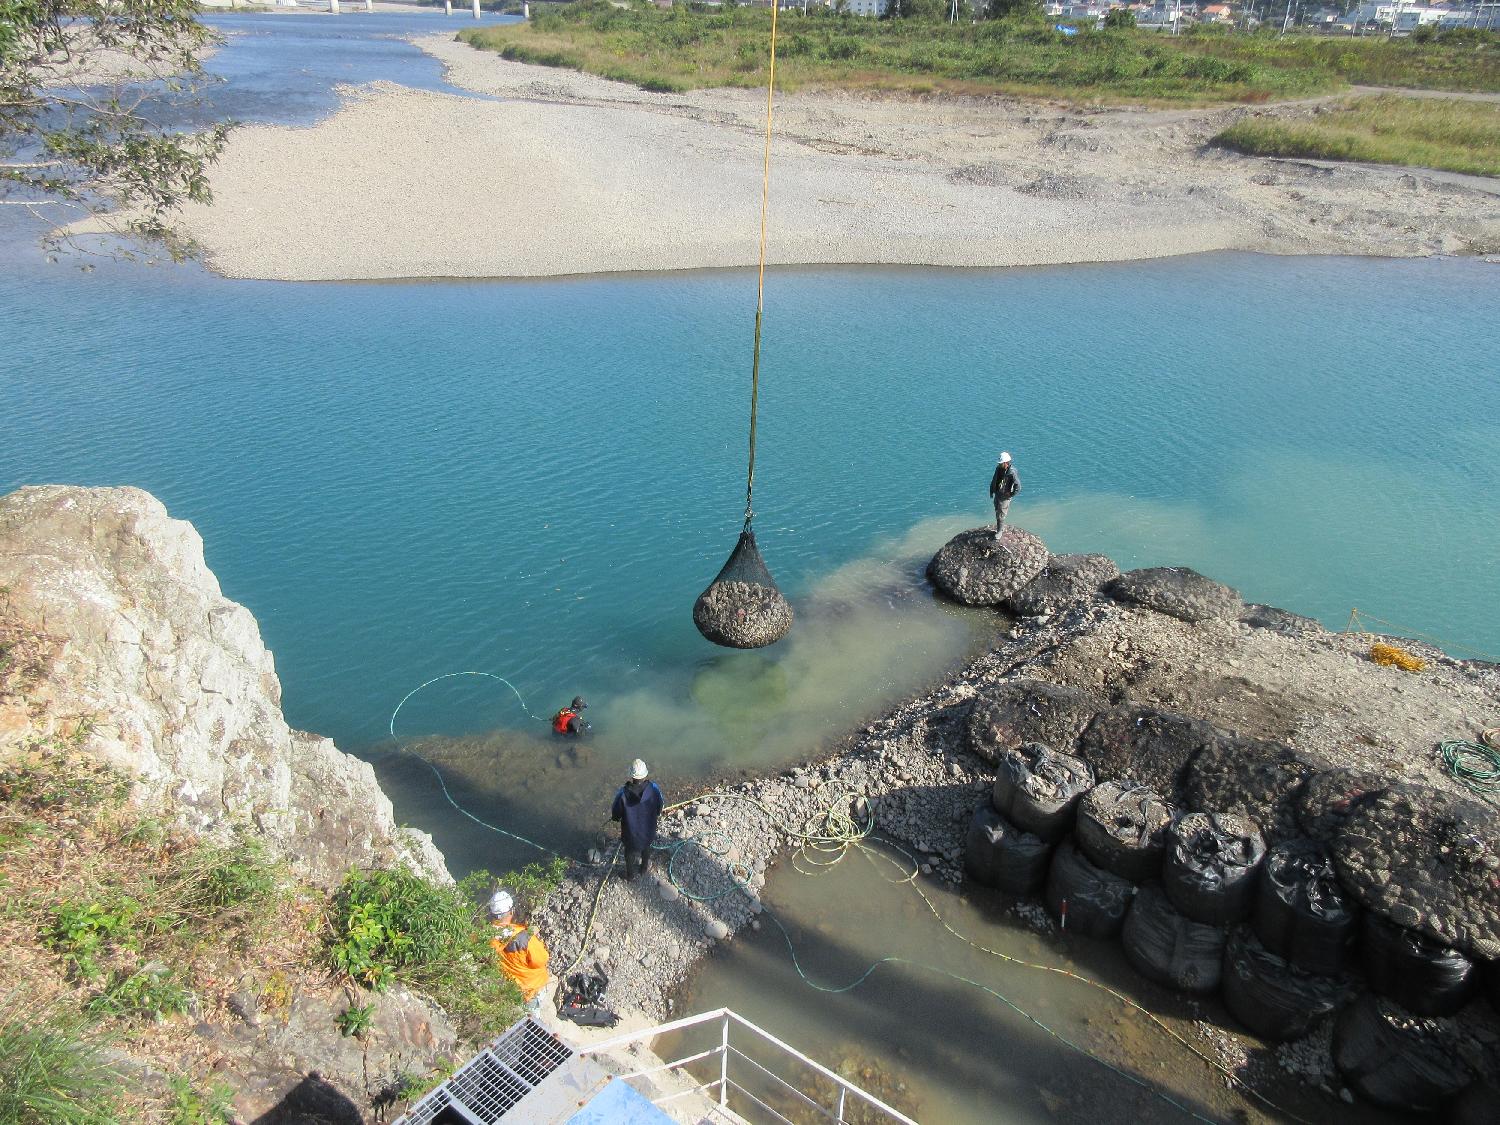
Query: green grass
[52, 1070]
[1456, 136]
[680, 49]
[393, 926]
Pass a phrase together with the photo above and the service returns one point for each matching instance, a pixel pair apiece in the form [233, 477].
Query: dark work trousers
[637, 862]
[1001, 508]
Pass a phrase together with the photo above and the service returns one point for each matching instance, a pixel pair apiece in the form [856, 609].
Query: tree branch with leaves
[77, 78]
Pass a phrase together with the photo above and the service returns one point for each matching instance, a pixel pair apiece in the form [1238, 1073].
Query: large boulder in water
[975, 569]
[1179, 592]
[1021, 711]
[1427, 860]
[1065, 581]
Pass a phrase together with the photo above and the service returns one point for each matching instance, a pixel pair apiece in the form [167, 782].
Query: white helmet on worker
[638, 771]
[501, 904]
[1004, 458]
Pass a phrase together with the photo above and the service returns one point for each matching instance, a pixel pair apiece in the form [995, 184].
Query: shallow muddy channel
[954, 1035]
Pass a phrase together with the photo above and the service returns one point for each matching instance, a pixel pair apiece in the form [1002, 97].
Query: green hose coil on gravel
[1475, 764]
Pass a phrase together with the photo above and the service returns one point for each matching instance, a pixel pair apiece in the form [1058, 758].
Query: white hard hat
[638, 770]
[501, 904]
[1004, 458]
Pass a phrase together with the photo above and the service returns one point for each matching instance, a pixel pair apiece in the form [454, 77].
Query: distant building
[1218, 13]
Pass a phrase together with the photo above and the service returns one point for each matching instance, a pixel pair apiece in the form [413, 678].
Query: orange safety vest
[522, 957]
[561, 720]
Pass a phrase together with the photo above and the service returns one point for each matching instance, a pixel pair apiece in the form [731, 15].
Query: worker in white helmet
[1003, 487]
[638, 804]
[521, 954]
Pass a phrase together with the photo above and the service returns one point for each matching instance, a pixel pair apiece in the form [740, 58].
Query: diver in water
[569, 721]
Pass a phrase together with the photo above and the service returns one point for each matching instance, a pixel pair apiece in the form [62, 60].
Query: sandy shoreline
[563, 173]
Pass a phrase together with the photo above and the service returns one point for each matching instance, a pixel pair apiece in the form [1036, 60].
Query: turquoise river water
[534, 480]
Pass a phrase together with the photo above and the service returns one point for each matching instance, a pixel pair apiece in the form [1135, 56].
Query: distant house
[1218, 13]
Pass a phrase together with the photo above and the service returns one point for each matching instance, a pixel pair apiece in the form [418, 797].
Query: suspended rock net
[742, 607]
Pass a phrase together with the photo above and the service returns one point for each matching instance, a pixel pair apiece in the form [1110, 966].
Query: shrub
[395, 925]
[52, 1071]
[84, 932]
[143, 993]
[355, 1020]
[192, 1106]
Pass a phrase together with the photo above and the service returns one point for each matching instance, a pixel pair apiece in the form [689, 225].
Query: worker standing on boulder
[1003, 487]
[569, 720]
[637, 806]
[521, 954]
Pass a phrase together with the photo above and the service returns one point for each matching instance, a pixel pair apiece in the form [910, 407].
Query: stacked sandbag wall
[1204, 903]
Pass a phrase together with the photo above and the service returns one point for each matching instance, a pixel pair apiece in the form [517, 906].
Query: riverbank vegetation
[1452, 135]
[684, 48]
[122, 932]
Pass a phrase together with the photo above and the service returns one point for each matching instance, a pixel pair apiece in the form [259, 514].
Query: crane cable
[760, 283]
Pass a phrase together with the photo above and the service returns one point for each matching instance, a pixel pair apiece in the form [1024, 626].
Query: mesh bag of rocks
[1066, 581]
[1122, 827]
[1418, 972]
[1170, 948]
[1272, 998]
[1086, 899]
[1000, 855]
[1027, 710]
[1038, 789]
[1211, 865]
[1302, 912]
[1396, 1059]
[742, 607]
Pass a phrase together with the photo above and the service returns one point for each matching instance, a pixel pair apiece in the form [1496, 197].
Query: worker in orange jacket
[521, 954]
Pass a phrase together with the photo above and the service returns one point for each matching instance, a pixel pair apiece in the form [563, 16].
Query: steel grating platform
[495, 1080]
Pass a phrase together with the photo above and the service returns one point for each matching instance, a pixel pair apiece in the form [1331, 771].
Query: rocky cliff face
[137, 655]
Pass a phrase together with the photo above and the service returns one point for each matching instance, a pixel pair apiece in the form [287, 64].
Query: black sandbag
[998, 854]
[1272, 998]
[1211, 864]
[1302, 912]
[1038, 789]
[1122, 827]
[1395, 1059]
[1426, 976]
[1083, 898]
[1491, 974]
[742, 607]
[1170, 948]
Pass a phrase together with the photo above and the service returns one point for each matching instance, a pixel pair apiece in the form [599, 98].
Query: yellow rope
[760, 284]
[1356, 616]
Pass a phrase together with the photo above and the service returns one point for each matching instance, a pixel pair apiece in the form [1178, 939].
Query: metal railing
[718, 1089]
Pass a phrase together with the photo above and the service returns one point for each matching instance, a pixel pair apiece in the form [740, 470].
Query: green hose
[1475, 764]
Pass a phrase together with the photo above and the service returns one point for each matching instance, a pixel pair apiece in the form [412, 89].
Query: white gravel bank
[567, 174]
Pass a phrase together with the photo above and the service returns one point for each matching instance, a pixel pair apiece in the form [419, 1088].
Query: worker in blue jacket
[637, 807]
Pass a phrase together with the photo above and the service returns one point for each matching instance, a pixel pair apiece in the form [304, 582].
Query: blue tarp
[619, 1104]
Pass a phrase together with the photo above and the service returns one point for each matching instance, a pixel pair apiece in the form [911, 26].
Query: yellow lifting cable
[742, 607]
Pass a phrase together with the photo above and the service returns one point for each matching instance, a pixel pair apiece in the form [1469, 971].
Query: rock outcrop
[977, 569]
[142, 661]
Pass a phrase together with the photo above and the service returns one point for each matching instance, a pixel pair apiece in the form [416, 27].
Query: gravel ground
[565, 173]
